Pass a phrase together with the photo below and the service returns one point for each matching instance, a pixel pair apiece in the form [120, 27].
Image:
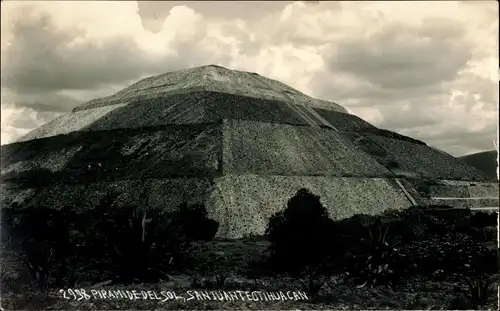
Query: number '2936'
[75, 294]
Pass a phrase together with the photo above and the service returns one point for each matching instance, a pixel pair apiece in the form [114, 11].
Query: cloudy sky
[424, 69]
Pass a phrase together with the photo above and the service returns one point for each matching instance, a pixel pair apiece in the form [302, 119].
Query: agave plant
[220, 280]
[480, 290]
[372, 261]
[376, 273]
[133, 242]
[38, 258]
[378, 233]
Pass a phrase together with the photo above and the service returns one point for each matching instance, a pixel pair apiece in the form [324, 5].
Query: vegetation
[128, 243]
[434, 242]
[300, 234]
[482, 220]
[371, 261]
[480, 290]
[383, 253]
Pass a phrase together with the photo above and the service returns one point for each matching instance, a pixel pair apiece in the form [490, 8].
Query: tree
[300, 235]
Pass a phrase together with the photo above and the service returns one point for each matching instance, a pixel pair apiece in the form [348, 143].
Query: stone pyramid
[240, 143]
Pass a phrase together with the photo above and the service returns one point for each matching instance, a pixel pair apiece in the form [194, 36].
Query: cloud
[43, 102]
[426, 76]
[48, 55]
[401, 57]
[18, 121]
[56, 55]
[424, 69]
[249, 10]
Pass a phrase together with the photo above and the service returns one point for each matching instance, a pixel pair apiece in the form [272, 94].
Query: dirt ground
[192, 294]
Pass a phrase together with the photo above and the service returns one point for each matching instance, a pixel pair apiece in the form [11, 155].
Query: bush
[422, 241]
[145, 243]
[478, 293]
[45, 242]
[420, 223]
[454, 254]
[312, 281]
[196, 224]
[372, 262]
[301, 234]
[449, 215]
[482, 219]
[480, 290]
[129, 243]
[215, 271]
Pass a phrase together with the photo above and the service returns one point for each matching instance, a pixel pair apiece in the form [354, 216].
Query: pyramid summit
[210, 78]
[198, 82]
[237, 142]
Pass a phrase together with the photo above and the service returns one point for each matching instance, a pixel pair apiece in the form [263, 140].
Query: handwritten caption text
[165, 296]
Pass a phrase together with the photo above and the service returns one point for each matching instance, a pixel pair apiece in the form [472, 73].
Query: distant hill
[485, 161]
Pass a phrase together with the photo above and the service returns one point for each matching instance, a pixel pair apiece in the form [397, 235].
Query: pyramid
[237, 142]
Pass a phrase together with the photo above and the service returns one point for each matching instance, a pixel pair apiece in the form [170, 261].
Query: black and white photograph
[249, 155]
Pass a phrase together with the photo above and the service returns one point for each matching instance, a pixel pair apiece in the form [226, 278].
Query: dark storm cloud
[396, 62]
[456, 129]
[346, 86]
[407, 74]
[400, 57]
[41, 102]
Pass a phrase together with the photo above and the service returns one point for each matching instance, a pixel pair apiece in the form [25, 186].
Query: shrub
[45, 242]
[371, 262]
[417, 224]
[216, 281]
[130, 243]
[460, 302]
[196, 224]
[146, 243]
[215, 271]
[454, 254]
[482, 219]
[196, 282]
[301, 234]
[422, 241]
[38, 259]
[48, 248]
[131, 234]
[480, 290]
[312, 281]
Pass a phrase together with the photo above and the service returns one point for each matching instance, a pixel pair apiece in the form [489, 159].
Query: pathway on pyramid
[241, 144]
